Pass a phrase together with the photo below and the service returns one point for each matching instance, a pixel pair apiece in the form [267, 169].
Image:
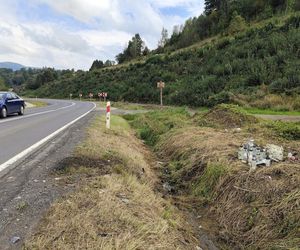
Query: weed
[207, 182]
[22, 206]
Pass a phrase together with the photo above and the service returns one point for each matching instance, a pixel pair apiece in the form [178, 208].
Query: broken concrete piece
[167, 187]
[275, 152]
[126, 201]
[15, 239]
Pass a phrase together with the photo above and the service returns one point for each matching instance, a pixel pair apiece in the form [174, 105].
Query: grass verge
[114, 206]
[252, 210]
[36, 104]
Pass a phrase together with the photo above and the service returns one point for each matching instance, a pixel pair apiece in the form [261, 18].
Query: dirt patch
[225, 116]
[74, 163]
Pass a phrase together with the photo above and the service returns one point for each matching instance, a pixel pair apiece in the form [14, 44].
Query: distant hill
[11, 65]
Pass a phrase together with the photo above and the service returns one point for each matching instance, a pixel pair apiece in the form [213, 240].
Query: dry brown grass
[112, 212]
[117, 210]
[253, 210]
[269, 101]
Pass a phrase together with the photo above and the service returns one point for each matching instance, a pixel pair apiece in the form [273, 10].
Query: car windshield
[1, 96]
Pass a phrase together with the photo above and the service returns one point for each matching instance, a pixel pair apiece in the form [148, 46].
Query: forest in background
[235, 51]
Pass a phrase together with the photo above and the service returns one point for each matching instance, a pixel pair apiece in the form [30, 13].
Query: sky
[67, 34]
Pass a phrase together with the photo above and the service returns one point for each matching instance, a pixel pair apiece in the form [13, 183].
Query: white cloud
[104, 28]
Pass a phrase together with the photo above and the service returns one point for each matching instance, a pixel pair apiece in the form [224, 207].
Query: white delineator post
[108, 115]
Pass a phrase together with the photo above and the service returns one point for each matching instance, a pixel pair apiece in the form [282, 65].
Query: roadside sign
[80, 95]
[91, 95]
[161, 85]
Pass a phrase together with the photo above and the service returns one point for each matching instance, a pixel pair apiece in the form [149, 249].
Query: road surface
[19, 134]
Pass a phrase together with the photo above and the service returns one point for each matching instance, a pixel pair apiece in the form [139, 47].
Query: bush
[237, 24]
[222, 97]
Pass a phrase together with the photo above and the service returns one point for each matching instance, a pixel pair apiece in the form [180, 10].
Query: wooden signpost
[91, 96]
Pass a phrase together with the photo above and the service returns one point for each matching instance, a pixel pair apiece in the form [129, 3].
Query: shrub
[237, 24]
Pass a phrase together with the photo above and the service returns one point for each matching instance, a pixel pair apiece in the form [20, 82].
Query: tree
[45, 76]
[237, 24]
[97, 64]
[2, 84]
[136, 46]
[109, 63]
[146, 51]
[164, 38]
[134, 49]
[211, 5]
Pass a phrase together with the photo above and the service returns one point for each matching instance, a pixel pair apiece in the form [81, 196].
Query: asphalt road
[18, 133]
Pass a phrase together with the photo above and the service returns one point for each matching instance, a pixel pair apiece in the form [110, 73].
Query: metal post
[161, 96]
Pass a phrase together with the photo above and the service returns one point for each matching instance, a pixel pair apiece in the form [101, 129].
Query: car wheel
[3, 113]
[21, 110]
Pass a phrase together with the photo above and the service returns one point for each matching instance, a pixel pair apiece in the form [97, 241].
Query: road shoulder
[28, 190]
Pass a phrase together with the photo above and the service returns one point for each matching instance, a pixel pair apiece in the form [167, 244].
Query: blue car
[10, 103]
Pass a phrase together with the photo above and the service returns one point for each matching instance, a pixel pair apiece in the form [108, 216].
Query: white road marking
[41, 142]
[35, 114]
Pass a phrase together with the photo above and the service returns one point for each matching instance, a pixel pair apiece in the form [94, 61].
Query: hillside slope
[264, 58]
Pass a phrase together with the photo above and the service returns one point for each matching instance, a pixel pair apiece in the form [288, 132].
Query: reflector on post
[108, 115]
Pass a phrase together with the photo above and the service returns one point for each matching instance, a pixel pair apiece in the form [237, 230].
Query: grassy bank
[35, 103]
[251, 210]
[115, 206]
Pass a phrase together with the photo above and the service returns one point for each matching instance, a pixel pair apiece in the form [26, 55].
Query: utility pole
[161, 85]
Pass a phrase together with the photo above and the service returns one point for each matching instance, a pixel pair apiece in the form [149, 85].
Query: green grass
[287, 130]
[256, 111]
[209, 179]
[128, 106]
[152, 125]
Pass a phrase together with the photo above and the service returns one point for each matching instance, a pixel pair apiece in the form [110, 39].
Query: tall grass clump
[205, 187]
[152, 125]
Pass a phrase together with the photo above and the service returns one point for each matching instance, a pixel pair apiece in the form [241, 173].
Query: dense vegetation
[250, 50]
[260, 59]
[226, 17]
